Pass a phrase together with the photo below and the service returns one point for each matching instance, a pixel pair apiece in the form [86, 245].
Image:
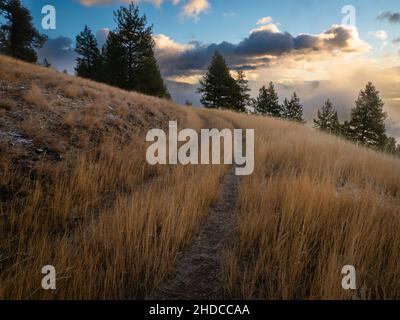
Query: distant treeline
[126, 61]
[366, 127]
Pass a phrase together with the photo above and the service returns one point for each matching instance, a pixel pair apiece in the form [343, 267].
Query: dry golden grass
[72, 91]
[101, 227]
[112, 225]
[313, 205]
[36, 97]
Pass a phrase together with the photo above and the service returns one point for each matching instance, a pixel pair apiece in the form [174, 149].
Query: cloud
[392, 17]
[271, 27]
[101, 36]
[337, 79]
[157, 3]
[167, 49]
[264, 20]
[263, 45]
[190, 10]
[380, 35]
[193, 8]
[60, 53]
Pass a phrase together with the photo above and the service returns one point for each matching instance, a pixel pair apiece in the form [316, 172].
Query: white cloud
[166, 46]
[190, 10]
[102, 2]
[264, 20]
[270, 27]
[380, 35]
[193, 8]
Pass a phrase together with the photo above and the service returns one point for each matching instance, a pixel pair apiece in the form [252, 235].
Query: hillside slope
[76, 192]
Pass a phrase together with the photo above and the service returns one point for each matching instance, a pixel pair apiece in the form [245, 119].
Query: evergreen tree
[390, 145]
[327, 119]
[129, 54]
[241, 97]
[46, 63]
[88, 62]
[114, 71]
[149, 78]
[18, 36]
[267, 102]
[217, 86]
[292, 109]
[367, 123]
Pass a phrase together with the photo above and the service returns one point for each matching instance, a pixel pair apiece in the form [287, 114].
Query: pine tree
[217, 86]
[114, 71]
[267, 102]
[241, 97]
[88, 62]
[19, 38]
[390, 145]
[327, 119]
[129, 54]
[149, 80]
[46, 63]
[368, 119]
[292, 109]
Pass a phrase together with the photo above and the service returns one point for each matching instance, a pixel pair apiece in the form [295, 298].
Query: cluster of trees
[18, 36]
[127, 59]
[267, 104]
[366, 127]
[220, 89]
[367, 122]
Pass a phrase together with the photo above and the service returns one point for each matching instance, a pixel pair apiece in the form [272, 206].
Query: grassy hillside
[77, 193]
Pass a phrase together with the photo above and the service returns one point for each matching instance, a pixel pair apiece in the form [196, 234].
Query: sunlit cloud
[264, 20]
[380, 35]
[191, 9]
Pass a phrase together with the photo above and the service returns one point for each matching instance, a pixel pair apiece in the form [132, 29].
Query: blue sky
[302, 45]
[225, 20]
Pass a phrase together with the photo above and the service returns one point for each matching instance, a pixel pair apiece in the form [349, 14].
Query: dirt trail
[198, 270]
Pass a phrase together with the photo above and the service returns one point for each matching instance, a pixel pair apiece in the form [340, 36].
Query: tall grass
[313, 205]
[112, 225]
[108, 222]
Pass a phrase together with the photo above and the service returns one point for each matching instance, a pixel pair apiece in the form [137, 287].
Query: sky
[319, 48]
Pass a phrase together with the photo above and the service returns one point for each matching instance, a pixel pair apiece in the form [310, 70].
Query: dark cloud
[60, 53]
[253, 51]
[393, 17]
